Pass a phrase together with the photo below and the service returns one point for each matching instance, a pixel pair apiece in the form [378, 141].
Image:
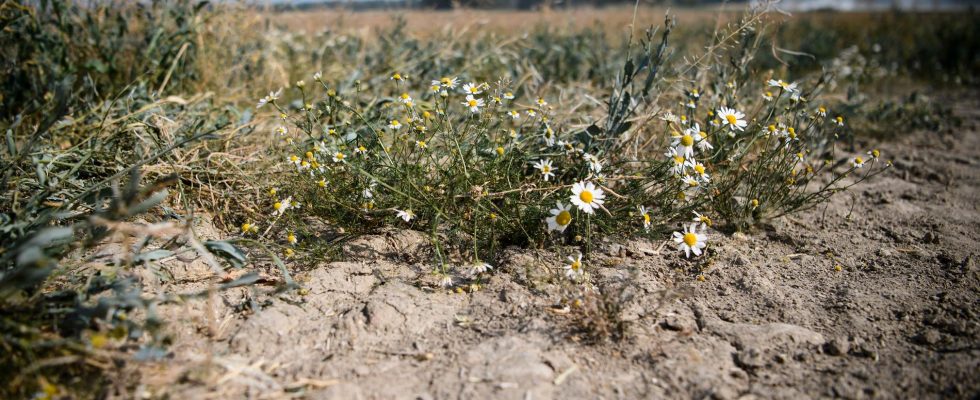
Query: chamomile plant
[479, 164]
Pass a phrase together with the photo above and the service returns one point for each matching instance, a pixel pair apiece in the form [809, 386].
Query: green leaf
[227, 251]
[152, 256]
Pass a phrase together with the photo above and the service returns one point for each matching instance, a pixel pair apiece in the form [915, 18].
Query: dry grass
[425, 23]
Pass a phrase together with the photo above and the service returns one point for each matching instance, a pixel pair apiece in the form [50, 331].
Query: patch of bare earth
[772, 319]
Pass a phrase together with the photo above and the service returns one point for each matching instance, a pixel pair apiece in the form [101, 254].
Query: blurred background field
[115, 113]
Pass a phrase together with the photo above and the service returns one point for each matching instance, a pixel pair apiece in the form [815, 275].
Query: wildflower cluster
[480, 165]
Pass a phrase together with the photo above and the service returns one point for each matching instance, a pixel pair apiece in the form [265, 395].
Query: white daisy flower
[405, 98]
[561, 217]
[473, 103]
[421, 145]
[472, 89]
[531, 113]
[703, 143]
[406, 215]
[295, 160]
[318, 76]
[702, 219]
[338, 157]
[541, 102]
[645, 214]
[446, 82]
[691, 182]
[587, 197]
[273, 96]
[874, 154]
[767, 96]
[546, 168]
[280, 207]
[291, 238]
[858, 162]
[514, 114]
[509, 96]
[690, 241]
[787, 86]
[734, 119]
[684, 143]
[679, 161]
[281, 130]
[594, 164]
[479, 268]
[822, 111]
[699, 170]
[772, 130]
[394, 125]
[574, 270]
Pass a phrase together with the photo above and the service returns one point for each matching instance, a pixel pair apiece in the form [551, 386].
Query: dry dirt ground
[773, 317]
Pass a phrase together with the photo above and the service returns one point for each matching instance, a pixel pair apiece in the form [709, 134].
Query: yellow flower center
[646, 218]
[500, 151]
[545, 169]
[576, 265]
[585, 196]
[875, 153]
[687, 140]
[731, 119]
[678, 160]
[690, 239]
[699, 168]
[340, 156]
[471, 103]
[446, 81]
[277, 205]
[858, 160]
[563, 218]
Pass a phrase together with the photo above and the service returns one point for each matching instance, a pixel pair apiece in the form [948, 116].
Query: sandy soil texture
[773, 317]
